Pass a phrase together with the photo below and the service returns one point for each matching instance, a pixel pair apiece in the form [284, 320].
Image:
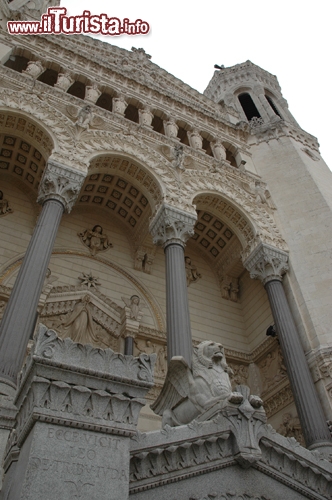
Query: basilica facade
[139, 215]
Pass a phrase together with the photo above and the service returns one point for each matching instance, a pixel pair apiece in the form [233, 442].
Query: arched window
[50, 77]
[248, 106]
[271, 103]
[105, 101]
[17, 63]
[77, 90]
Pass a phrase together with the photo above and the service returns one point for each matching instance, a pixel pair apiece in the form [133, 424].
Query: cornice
[121, 68]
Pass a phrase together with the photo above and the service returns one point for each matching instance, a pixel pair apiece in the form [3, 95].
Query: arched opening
[248, 106]
[131, 113]
[182, 132]
[105, 101]
[77, 89]
[17, 63]
[271, 103]
[50, 77]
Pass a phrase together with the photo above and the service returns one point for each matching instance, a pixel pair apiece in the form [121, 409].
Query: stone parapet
[207, 460]
[77, 407]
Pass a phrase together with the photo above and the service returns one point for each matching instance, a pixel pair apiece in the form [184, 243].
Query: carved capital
[172, 225]
[267, 263]
[60, 183]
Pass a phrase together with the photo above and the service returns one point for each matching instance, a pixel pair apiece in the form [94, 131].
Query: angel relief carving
[95, 239]
[189, 393]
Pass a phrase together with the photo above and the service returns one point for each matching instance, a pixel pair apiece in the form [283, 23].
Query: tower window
[271, 103]
[248, 106]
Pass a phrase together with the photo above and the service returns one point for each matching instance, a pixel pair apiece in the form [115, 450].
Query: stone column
[171, 227]
[58, 191]
[269, 264]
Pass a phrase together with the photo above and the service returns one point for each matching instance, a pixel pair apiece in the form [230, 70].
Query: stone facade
[134, 171]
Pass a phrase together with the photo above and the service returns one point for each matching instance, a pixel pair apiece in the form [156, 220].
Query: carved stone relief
[272, 369]
[291, 427]
[4, 205]
[89, 280]
[240, 374]
[134, 306]
[230, 288]
[84, 320]
[144, 259]
[192, 273]
[149, 347]
[95, 239]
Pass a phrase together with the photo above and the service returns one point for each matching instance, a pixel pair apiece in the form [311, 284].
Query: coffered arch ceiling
[125, 189]
[221, 232]
[24, 149]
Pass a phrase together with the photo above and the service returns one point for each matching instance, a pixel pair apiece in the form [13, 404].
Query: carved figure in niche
[95, 240]
[189, 393]
[79, 325]
[134, 305]
[191, 271]
[291, 427]
[4, 206]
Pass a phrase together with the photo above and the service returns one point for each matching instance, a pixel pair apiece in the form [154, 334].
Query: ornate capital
[172, 225]
[60, 183]
[267, 263]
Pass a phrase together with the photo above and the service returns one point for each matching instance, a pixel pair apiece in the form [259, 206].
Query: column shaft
[20, 314]
[129, 346]
[179, 342]
[309, 409]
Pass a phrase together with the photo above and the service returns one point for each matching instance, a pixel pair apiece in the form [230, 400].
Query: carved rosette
[267, 263]
[60, 183]
[172, 225]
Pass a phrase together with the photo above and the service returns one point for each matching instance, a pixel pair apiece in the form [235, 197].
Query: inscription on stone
[78, 463]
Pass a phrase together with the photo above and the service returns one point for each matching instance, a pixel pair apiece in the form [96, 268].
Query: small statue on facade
[95, 240]
[191, 271]
[4, 206]
[79, 324]
[134, 305]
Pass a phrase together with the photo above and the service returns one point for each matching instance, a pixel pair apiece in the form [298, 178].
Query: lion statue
[189, 393]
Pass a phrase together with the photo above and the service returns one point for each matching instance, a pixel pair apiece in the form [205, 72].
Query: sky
[290, 39]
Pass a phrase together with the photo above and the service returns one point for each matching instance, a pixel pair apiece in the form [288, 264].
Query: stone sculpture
[134, 305]
[79, 325]
[191, 271]
[4, 206]
[189, 393]
[95, 240]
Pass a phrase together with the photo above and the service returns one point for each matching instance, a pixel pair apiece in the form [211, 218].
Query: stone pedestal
[78, 406]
